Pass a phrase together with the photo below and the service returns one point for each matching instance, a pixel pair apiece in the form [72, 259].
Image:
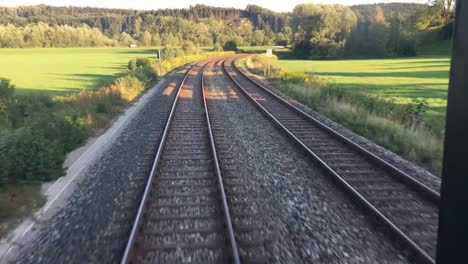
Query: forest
[312, 30]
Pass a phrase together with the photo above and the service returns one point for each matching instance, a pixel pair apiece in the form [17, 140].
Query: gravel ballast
[310, 218]
[94, 223]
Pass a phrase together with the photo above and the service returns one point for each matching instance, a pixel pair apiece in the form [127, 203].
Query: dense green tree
[369, 37]
[258, 38]
[322, 28]
[137, 27]
[126, 39]
[378, 36]
[145, 39]
[156, 40]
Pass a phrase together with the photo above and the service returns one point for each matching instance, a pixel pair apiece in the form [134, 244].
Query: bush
[169, 52]
[132, 64]
[144, 74]
[129, 87]
[32, 157]
[230, 45]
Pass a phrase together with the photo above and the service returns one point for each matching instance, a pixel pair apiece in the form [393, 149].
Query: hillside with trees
[200, 25]
[313, 30]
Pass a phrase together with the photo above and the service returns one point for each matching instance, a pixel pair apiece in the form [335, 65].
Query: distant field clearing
[64, 70]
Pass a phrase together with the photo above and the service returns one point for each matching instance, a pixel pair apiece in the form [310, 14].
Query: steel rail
[227, 215]
[420, 253]
[129, 247]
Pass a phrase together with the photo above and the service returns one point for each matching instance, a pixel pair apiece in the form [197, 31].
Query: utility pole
[453, 215]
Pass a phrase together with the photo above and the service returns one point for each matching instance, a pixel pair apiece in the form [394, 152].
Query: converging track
[407, 207]
[196, 207]
[184, 215]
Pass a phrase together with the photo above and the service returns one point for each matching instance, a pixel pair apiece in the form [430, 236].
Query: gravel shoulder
[410, 168]
[75, 224]
[310, 218]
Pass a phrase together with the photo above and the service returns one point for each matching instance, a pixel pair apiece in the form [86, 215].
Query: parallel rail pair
[407, 207]
[184, 215]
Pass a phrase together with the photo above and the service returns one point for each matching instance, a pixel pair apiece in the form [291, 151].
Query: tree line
[114, 21]
[199, 25]
[313, 30]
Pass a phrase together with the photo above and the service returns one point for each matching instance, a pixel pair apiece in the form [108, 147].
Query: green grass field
[58, 71]
[403, 79]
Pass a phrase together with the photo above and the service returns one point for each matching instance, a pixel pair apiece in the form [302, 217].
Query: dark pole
[453, 218]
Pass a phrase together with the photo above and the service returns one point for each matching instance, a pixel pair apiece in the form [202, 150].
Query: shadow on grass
[424, 61]
[420, 74]
[410, 90]
[142, 52]
[121, 67]
[58, 92]
[414, 67]
[90, 80]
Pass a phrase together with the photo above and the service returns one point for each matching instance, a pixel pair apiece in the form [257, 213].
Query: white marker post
[269, 53]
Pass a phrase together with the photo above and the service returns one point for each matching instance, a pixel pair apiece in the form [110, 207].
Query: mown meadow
[60, 71]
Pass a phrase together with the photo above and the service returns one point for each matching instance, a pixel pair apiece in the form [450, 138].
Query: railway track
[253, 232]
[405, 206]
[184, 214]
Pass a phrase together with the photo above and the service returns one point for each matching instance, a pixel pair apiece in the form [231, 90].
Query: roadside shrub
[25, 106]
[142, 62]
[132, 64]
[144, 74]
[32, 157]
[103, 107]
[129, 87]
[169, 52]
